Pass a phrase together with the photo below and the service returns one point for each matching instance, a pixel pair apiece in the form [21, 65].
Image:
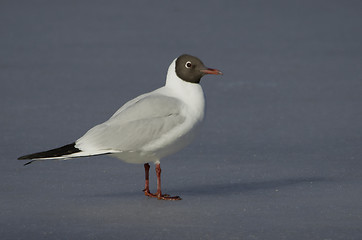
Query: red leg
[147, 179]
[159, 193]
[158, 174]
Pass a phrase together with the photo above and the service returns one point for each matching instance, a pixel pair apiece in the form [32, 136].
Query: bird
[149, 127]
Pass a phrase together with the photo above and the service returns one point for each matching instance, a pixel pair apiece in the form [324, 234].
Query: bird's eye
[188, 64]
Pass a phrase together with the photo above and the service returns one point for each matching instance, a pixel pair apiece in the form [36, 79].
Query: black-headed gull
[148, 127]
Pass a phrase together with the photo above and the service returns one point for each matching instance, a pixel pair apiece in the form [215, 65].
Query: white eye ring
[188, 64]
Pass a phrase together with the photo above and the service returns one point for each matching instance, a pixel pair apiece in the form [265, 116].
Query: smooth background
[279, 156]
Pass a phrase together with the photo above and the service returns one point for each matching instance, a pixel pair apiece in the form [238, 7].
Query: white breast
[192, 96]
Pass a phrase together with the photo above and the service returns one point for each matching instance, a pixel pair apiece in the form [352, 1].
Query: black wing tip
[24, 157]
[57, 152]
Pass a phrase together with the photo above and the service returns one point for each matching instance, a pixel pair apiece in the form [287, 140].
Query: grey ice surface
[279, 156]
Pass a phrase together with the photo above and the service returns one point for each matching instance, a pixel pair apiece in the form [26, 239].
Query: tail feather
[54, 153]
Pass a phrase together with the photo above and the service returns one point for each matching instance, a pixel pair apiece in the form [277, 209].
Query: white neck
[191, 93]
[172, 78]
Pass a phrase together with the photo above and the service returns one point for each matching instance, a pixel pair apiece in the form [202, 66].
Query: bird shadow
[244, 187]
[228, 188]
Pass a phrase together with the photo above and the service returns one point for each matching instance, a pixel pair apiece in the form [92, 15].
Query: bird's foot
[161, 196]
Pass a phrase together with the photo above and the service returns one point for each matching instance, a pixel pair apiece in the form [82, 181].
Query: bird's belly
[175, 140]
[166, 145]
[136, 157]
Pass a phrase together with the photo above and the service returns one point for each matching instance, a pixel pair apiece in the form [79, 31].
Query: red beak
[211, 71]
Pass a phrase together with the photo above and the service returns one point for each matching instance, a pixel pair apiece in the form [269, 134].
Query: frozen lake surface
[279, 156]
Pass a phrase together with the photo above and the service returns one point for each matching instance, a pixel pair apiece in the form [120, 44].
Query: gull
[149, 127]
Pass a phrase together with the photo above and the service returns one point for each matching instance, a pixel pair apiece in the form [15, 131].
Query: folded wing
[135, 125]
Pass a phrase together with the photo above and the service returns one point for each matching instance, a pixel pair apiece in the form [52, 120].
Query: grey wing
[134, 126]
